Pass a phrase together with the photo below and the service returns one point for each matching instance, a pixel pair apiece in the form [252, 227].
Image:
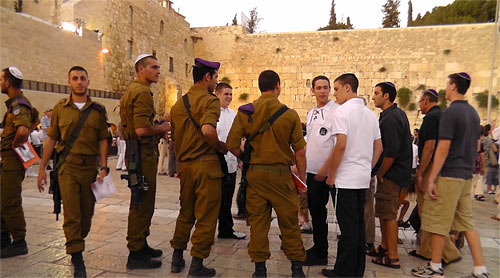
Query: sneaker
[234, 235]
[482, 275]
[17, 248]
[427, 272]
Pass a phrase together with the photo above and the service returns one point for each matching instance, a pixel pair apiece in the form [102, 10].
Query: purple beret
[433, 92]
[198, 62]
[464, 75]
[390, 84]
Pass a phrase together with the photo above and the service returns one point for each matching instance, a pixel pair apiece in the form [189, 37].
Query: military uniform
[19, 113]
[200, 172]
[79, 169]
[270, 182]
[137, 111]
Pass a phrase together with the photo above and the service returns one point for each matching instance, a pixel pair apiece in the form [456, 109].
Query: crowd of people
[367, 166]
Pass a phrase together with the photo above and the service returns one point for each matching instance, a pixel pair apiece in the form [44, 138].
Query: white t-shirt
[496, 133]
[80, 105]
[415, 157]
[320, 139]
[36, 137]
[223, 126]
[361, 127]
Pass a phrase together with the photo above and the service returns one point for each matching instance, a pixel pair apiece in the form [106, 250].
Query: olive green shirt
[65, 115]
[18, 114]
[272, 147]
[189, 142]
[137, 110]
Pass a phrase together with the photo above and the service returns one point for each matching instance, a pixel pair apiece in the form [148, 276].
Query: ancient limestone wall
[48, 10]
[45, 52]
[408, 57]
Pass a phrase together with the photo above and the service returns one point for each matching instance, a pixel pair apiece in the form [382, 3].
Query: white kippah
[16, 72]
[142, 56]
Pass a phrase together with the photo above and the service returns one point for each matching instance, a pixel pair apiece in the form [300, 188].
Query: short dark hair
[462, 83]
[388, 89]
[77, 68]
[14, 81]
[143, 62]
[268, 80]
[350, 79]
[200, 72]
[486, 129]
[221, 86]
[320, 77]
[430, 97]
[416, 129]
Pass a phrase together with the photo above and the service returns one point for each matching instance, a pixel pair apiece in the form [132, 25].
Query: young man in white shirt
[224, 92]
[356, 151]
[320, 142]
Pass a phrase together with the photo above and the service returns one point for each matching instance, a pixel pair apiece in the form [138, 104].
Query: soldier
[269, 178]
[137, 116]
[77, 166]
[196, 145]
[18, 122]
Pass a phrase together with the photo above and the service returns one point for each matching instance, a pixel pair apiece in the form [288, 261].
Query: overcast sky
[296, 16]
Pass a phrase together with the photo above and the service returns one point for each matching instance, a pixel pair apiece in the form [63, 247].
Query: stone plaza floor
[106, 247]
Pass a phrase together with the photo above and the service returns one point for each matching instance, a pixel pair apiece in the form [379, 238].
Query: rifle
[54, 188]
[136, 181]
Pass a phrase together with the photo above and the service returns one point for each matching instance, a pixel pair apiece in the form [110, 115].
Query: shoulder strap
[267, 124]
[188, 110]
[74, 133]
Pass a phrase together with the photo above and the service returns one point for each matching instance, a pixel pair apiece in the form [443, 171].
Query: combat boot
[79, 265]
[260, 270]
[198, 270]
[18, 247]
[297, 269]
[139, 260]
[152, 253]
[178, 262]
[5, 240]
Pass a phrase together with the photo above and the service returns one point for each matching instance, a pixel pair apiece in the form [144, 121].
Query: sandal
[386, 261]
[376, 252]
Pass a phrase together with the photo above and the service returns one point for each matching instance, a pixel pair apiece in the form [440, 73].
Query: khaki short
[453, 208]
[303, 201]
[387, 200]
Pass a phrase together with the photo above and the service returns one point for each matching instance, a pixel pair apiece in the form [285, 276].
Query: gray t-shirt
[460, 124]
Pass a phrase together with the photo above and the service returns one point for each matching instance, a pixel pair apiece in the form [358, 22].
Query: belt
[205, 157]
[81, 159]
[275, 169]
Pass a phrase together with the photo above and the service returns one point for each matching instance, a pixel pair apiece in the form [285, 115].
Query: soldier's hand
[42, 179]
[164, 127]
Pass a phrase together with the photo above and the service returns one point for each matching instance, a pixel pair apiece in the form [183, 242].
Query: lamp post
[492, 72]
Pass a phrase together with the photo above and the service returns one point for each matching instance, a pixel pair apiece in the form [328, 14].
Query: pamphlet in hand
[299, 184]
[103, 189]
[27, 154]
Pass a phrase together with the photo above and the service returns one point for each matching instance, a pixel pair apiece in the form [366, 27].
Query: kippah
[390, 84]
[433, 92]
[16, 72]
[142, 56]
[464, 75]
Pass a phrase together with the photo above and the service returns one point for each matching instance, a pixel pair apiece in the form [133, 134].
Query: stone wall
[45, 52]
[408, 57]
[48, 10]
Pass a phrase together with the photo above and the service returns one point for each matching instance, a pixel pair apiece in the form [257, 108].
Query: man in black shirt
[448, 201]
[428, 135]
[394, 170]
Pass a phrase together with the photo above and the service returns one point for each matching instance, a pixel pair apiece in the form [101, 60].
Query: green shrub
[404, 95]
[243, 96]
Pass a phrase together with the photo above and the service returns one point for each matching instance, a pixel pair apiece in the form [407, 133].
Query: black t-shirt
[396, 140]
[429, 128]
[460, 124]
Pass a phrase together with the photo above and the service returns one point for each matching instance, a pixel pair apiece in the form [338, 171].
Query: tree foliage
[253, 22]
[235, 21]
[333, 24]
[443, 103]
[391, 14]
[459, 12]
[333, 15]
[482, 100]
[410, 12]
[404, 95]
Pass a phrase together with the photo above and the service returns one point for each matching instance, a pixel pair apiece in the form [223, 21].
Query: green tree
[333, 24]
[459, 12]
[391, 14]
[333, 16]
[235, 21]
[253, 22]
[404, 95]
[349, 24]
[410, 13]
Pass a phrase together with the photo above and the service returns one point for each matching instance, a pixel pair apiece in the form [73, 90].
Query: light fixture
[104, 51]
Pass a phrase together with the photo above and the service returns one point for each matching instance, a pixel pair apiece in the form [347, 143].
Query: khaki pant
[272, 187]
[78, 202]
[11, 178]
[139, 218]
[450, 251]
[200, 196]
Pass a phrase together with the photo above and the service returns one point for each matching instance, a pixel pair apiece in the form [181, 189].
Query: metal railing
[65, 89]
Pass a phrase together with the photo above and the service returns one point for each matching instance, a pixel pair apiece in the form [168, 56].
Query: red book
[27, 154]
[299, 184]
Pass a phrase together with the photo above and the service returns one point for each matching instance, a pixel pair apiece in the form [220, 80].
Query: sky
[296, 16]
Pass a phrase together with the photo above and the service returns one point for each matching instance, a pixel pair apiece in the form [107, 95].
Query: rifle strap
[68, 144]
[267, 124]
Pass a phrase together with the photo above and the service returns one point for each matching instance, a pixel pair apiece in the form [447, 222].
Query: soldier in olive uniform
[78, 170]
[200, 171]
[18, 122]
[137, 114]
[269, 178]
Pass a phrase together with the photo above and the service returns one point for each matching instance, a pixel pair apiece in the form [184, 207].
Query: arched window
[130, 14]
[161, 27]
